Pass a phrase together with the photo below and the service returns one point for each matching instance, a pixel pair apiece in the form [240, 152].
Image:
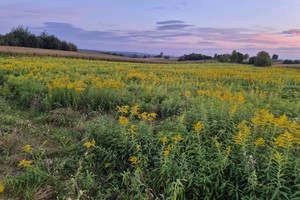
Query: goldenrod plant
[86, 129]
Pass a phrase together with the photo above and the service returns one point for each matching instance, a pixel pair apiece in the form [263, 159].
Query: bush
[263, 59]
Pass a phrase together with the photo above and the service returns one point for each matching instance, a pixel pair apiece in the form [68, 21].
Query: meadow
[84, 129]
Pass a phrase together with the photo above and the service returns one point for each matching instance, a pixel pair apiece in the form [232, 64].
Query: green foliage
[263, 59]
[275, 57]
[224, 58]
[252, 60]
[291, 62]
[194, 56]
[21, 36]
[234, 57]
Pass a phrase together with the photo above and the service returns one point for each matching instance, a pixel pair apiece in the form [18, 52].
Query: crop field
[81, 129]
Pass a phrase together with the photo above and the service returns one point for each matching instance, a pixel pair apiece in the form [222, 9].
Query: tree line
[194, 56]
[21, 37]
[261, 59]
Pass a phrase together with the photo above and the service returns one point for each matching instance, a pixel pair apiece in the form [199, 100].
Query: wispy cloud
[175, 36]
[170, 22]
[173, 27]
[295, 32]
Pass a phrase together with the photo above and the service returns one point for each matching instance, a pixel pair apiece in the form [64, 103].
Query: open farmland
[81, 129]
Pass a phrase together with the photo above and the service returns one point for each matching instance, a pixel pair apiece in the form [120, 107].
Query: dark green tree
[263, 59]
[224, 58]
[275, 57]
[234, 57]
[252, 60]
[240, 57]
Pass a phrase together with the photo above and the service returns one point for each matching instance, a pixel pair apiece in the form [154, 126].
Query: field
[87, 129]
[25, 51]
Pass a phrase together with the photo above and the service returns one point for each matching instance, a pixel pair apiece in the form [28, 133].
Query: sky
[174, 27]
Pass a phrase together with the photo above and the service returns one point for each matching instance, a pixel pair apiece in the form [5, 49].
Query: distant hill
[125, 53]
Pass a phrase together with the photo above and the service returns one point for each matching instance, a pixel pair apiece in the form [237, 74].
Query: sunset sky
[174, 27]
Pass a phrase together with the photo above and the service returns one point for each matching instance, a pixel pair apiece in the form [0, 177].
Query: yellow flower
[134, 160]
[151, 117]
[27, 148]
[135, 110]
[168, 147]
[25, 163]
[187, 94]
[123, 109]
[198, 127]
[260, 142]
[132, 130]
[177, 138]
[164, 140]
[89, 144]
[107, 165]
[143, 116]
[138, 146]
[123, 120]
[233, 109]
[187, 172]
[166, 152]
[243, 135]
[1, 187]
[286, 140]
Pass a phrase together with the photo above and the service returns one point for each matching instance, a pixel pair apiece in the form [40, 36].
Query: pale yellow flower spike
[25, 163]
[198, 127]
[123, 120]
[27, 148]
[89, 144]
[164, 140]
[1, 187]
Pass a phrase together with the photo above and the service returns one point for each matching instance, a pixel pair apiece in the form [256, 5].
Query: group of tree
[21, 37]
[262, 59]
[194, 56]
[291, 62]
[234, 57]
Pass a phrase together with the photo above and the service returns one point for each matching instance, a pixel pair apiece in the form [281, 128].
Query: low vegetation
[80, 129]
[291, 62]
